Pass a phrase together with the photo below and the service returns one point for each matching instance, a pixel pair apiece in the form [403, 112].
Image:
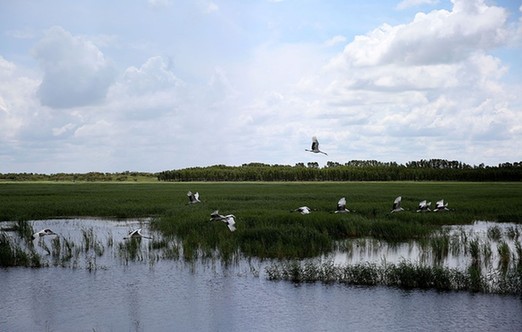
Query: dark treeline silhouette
[355, 170]
[89, 177]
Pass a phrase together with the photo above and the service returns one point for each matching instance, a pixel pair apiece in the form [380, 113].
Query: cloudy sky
[165, 84]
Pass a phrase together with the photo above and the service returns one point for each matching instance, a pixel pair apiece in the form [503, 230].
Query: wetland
[469, 257]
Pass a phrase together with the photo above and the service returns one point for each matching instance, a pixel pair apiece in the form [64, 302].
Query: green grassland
[265, 225]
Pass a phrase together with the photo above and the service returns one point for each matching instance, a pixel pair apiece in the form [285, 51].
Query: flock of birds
[230, 219]
[424, 206]
[134, 234]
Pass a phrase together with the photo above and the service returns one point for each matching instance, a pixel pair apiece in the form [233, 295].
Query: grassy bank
[265, 225]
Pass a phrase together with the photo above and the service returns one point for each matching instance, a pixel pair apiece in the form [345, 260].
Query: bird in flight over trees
[315, 147]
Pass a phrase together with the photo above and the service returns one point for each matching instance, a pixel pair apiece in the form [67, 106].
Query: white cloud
[429, 80]
[435, 86]
[437, 37]
[75, 71]
[335, 41]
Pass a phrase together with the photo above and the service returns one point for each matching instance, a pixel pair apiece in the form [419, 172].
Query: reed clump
[406, 275]
[13, 255]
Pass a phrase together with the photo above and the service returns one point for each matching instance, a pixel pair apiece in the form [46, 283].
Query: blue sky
[163, 84]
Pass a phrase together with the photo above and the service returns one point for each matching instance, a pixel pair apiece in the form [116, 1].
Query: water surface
[171, 295]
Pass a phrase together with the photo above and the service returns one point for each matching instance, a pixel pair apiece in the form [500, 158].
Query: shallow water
[379, 252]
[170, 295]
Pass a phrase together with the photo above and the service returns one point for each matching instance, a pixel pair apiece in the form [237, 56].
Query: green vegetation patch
[266, 227]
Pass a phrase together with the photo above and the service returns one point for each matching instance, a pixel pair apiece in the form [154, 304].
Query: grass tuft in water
[404, 275]
[13, 255]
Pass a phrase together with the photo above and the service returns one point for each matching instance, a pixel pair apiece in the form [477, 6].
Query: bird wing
[304, 210]
[196, 195]
[341, 205]
[315, 144]
[230, 222]
[422, 204]
[397, 202]
[135, 232]
[216, 216]
[440, 203]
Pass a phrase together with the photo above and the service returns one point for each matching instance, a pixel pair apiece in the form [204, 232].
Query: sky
[154, 85]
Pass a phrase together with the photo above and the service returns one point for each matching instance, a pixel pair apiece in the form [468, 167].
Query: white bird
[341, 206]
[440, 206]
[315, 146]
[42, 233]
[193, 198]
[303, 210]
[397, 205]
[136, 234]
[229, 219]
[423, 206]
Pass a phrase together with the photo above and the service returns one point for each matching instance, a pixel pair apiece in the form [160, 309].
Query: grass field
[265, 225]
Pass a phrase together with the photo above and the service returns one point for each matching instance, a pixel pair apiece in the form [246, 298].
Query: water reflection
[449, 247]
[169, 297]
[145, 291]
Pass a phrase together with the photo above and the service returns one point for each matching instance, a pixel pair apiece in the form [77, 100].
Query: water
[376, 251]
[170, 295]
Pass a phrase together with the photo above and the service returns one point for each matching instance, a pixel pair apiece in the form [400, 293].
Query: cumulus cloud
[75, 71]
[17, 100]
[152, 76]
[429, 80]
[440, 36]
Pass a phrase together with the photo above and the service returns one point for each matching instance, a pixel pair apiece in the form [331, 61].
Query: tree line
[355, 170]
[80, 177]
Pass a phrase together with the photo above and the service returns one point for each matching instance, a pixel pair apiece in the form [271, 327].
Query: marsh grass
[266, 228]
[405, 274]
[13, 255]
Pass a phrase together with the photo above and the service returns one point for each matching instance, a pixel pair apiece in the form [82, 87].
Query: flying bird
[43, 233]
[315, 146]
[136, 234]
[397, 205]
[341, 206]
[193, 198]
[229, 219]
[424, 207]
[303, 210]
[440, 206]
